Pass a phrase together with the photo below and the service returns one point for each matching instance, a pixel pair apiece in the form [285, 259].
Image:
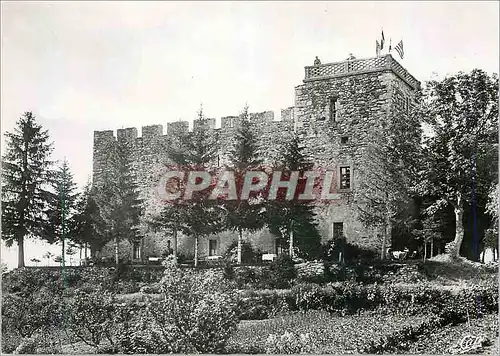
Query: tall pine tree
[294, 220]
[61, 207]
[117, 197]
[244, 214]
[26, 173]
[198, 216]
[86, 225]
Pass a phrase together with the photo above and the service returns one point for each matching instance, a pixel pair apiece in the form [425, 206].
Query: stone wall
[365, 94]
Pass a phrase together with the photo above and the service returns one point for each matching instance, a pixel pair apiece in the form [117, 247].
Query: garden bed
[329, 334]
[440, 340]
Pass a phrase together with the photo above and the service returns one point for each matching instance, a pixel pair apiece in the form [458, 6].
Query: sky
[85, 66]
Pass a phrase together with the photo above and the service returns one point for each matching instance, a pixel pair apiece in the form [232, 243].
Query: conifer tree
[61, 206]
[199, 216]
[26, 173]
[244, 214]
[86, 225]
[117, 197]
[294, 220]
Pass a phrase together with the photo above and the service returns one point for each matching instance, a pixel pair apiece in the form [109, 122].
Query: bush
[352, 297]
[288, 343]
[197, 315]
[282, 272]
[248, 253]
[27, 314]
[91, 317]
[27, 281]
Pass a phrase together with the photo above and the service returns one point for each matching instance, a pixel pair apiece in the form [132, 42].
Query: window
[280, 249]
[231, 122]
[345, 177]
[212, 247]
[136, 251]
[333, 108]
[338, 230]
[344, 139]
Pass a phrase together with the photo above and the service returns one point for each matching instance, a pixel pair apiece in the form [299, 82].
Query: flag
[399, 49]
[382, 41]
[390, 45]
[377, 48]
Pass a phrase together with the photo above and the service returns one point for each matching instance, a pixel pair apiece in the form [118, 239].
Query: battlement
[228, 123]
[360, 66]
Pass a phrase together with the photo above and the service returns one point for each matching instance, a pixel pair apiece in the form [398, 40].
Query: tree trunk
[20, 251]
[425, 250]
[240, 245]
[81, 248]
[117, 257]
[387, 234]
[85, 253]
[432, 247]
[290, 247]
[388, 227]
[63, 258]
[174, 240]
[459, 229]
[196, 251]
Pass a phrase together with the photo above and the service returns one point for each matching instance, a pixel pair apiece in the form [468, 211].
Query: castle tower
[336, 109]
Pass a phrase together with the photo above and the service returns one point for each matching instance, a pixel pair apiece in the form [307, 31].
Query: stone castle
[337, 109]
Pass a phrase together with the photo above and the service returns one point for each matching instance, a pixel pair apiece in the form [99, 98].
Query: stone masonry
[337, 109]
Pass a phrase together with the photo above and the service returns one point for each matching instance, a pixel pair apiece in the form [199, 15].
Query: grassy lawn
[331, 334]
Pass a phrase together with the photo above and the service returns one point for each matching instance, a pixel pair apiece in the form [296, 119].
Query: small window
[212, 247]
[338, 230]
[344, 139]
[345, 177]
[333, 109]
[231, 123]
[279, 249]
[136, 251]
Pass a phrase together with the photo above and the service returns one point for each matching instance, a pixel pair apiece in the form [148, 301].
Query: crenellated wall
[338, 109]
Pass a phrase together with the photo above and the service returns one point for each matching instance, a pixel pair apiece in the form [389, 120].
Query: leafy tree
[87, 225]
[244, 214]
[492, 208]
[61, 207]
[389, 172]
[26, 172]
[461, 151]
[199, 216]
[294, 220]
[117, 197]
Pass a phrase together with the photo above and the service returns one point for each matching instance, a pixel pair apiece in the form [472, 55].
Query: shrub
[308, 296]
[248, 253]
[26, 314]
[137, 332]
[282, 272]
[198, 312]
[30, 280]
[91, 317]
[288, 343]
